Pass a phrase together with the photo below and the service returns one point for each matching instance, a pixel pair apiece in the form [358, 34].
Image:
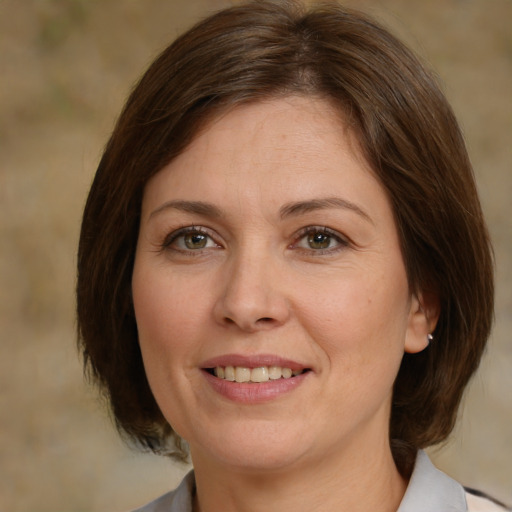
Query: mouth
[254, 379]
[258, 375]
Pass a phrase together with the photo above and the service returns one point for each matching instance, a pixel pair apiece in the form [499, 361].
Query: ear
[423, 317]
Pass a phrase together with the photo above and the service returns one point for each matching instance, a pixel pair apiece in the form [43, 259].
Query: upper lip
[253, 361]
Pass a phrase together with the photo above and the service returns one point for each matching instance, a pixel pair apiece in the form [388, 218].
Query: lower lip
[253, 393]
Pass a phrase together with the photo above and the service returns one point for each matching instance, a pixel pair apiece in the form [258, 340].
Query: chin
[259, 460]
[262, 450]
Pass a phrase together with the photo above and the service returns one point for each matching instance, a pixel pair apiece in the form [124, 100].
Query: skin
[259, 286]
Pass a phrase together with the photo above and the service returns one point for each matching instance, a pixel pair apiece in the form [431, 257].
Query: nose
[252, 296]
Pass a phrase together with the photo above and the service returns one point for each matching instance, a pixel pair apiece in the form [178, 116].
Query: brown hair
[409, 135]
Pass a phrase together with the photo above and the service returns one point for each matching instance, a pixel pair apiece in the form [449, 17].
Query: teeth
[274, 372]
[287, 373]
[229, 373]
[261, 374]
[242, 374]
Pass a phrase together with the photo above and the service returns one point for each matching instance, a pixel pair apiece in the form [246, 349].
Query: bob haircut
[408, 133]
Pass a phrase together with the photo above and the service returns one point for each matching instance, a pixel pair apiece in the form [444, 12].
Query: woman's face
[268, 248]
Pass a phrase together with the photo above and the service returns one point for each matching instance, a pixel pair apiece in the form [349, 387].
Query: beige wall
[65, 67]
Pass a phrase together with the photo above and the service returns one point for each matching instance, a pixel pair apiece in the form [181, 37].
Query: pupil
[195, 241]
[319, 241]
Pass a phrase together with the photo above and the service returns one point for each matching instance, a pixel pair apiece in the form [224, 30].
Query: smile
[254, 379]
[257, 375]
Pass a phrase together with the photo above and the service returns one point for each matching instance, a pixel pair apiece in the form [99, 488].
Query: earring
[430, 337]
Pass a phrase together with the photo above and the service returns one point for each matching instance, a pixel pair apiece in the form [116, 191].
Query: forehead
[281, 121]
[287, 136]
[256, 158]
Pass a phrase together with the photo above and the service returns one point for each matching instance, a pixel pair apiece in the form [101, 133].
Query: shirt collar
[179, 500]
[430, 489]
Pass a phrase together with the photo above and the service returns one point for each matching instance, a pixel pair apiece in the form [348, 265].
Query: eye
[189, 239]
[195, 240]
[320, 239]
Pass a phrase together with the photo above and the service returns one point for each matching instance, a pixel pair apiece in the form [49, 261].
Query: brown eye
[189, 239]
[195, 240]
[320, 240]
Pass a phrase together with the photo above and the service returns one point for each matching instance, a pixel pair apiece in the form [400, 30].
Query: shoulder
[432, 490]
[428, 490]
[477, 502]
[179, 500]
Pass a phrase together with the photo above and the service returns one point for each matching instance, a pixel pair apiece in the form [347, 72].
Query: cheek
[360, 321]
[154, 309]
[151, 306]
[170, 312]
[167, 324]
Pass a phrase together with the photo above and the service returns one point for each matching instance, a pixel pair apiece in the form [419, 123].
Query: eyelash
[174, 236]
[171, 238]
[341, 241]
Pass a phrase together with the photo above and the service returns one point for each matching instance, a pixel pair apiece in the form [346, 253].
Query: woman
[284, 268]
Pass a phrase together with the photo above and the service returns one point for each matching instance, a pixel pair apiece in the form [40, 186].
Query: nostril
[265, 319]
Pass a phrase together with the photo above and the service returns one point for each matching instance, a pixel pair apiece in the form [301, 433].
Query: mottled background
[65, 68]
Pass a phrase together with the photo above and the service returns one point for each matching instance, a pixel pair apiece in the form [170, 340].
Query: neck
[356, 482]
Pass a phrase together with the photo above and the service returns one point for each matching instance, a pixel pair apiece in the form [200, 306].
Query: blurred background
[66, 67]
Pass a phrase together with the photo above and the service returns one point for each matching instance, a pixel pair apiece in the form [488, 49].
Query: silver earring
[430, 337]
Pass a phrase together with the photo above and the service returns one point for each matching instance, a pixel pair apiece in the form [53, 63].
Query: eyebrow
[302, 207]
[288, 210]
[197, 207]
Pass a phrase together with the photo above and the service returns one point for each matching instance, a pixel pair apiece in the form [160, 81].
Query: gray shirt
[429, 490]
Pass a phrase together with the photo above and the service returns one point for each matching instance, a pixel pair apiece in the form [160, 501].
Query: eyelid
[342, 240]
[184, 230]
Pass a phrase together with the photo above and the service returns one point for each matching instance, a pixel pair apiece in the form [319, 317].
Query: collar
[430, 489]
[179, 500]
